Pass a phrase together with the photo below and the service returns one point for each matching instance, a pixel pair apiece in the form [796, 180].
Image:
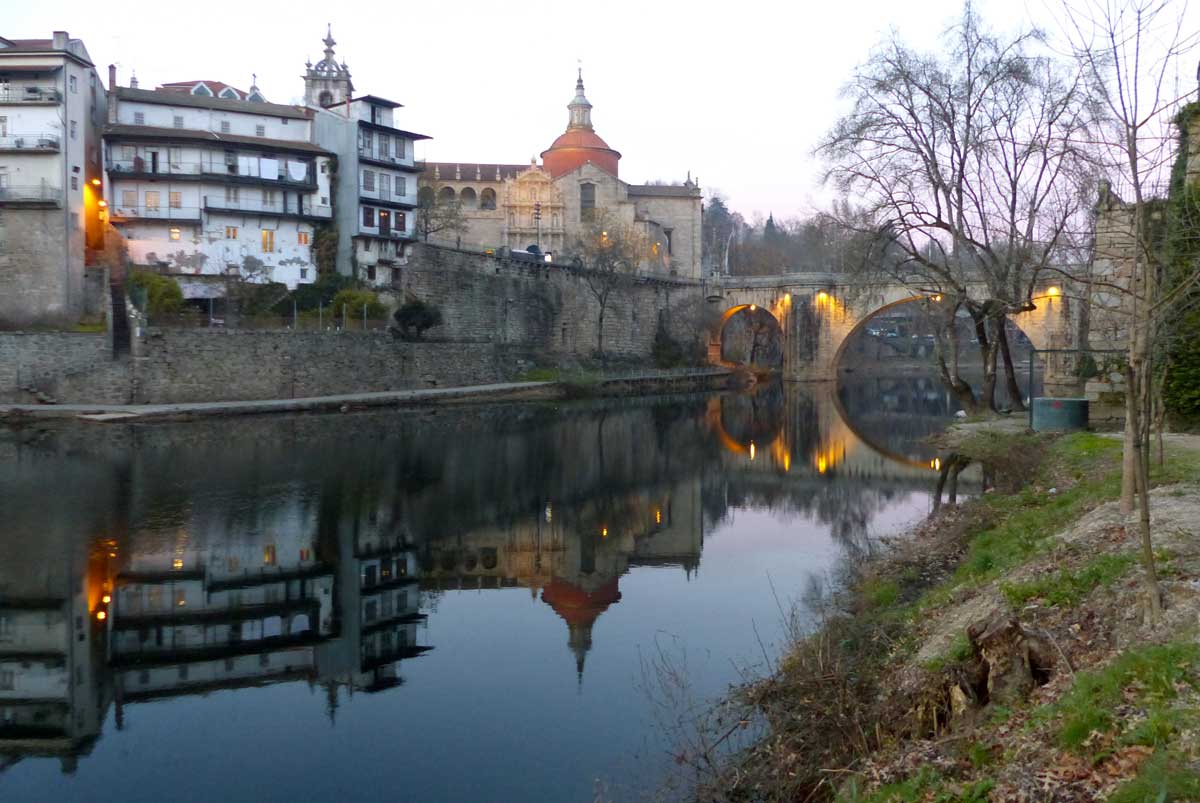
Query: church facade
[577, 178]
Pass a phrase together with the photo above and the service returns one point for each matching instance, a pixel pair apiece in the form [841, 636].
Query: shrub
[415, 316]
[322, 291]
[160, 295]
[354, 301]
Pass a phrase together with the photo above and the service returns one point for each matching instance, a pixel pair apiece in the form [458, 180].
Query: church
[578, 175]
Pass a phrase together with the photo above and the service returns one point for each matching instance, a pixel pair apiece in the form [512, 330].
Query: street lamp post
[537, 217]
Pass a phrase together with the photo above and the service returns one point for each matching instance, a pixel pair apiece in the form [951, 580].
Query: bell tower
[327, 83]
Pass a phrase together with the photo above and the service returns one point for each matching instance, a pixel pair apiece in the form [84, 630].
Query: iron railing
[31, 142]
[182, 213]
[30, 93]
[31, 193]
[217, 167]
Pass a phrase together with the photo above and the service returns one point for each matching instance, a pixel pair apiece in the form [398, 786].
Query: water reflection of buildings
[575, 554]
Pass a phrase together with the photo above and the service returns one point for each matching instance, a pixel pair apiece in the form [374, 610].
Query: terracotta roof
[487, 172]
[190, 134]
[217, 87]
[671, 190]
[580, 138]
[168, 97]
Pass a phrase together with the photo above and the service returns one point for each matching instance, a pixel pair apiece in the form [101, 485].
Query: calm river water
[439, 605]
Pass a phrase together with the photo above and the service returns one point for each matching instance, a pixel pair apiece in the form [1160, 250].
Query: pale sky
[737, 93]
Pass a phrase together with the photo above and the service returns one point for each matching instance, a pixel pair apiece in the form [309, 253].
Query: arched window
[202, 89]
[446, 196]
[487, 199]
[587, 201]
[467, 197]
[325, 98]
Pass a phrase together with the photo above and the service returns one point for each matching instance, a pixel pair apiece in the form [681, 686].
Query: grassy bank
[998, 654]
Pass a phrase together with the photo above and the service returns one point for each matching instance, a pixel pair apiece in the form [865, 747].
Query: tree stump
[1015, 659]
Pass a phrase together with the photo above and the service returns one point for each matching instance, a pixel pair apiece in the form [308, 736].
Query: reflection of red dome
[580, 609]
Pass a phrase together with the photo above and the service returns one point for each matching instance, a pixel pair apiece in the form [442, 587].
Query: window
[231, 195]
[151, 200]
[231, 234]
[175, 233]
[224, 126]
[8, 680]
[228, 92]
[178, 121]
[3, 127]
[128, 152]
[668, 233]
[180, 598]
[268, 197]
[74, 84]
[399, 148]
[385, 185]
[201, 89]
[371, 272]
[268, 247]
[302, 238]
[139, 118]
[398, 222]
[128, 198]
[587, 201]
[487, 199]
[384, 147]
[6, 629]
[368, 182]
[260, 130]
[368, 216]
[175, 199]
[74, 182]
[368, 141]
[401, 186]
[304, 273]
[74, 129]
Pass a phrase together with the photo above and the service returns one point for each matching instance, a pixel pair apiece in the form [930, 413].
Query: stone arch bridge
[818, 312]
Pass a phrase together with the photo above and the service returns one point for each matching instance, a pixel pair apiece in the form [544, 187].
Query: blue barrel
[1059, 415]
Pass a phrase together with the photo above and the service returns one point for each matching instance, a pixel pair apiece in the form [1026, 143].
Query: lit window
[175, 199]
[178, 121]
[302, 238]
[231, 232]
[269, 554]
[260, 130]
[177, 563]
[224, 126]
[152, 200]
[268, 247]
[139, 118]
[175, 233]
[180, 598]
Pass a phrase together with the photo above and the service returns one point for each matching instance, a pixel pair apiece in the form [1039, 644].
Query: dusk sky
[738, 94]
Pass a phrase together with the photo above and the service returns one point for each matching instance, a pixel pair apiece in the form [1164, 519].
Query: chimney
[112, 94]
[133, 81]
[112, 77]
[60, 40]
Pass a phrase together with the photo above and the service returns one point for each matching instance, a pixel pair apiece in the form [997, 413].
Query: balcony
[31, 93]
[140, 167]
[257, 206]
[32, 143]
[183, 214]
[391, 160]
[31, 195]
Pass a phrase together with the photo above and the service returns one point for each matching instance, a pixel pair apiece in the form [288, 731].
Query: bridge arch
[760, 333]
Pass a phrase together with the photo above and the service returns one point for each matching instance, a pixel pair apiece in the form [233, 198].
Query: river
[452, 604]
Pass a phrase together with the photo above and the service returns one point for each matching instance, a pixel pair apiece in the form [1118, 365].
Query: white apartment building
[51, 111]
[377, 170]
[208, 188]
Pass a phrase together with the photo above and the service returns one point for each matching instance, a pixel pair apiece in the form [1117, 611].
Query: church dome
[579, 144]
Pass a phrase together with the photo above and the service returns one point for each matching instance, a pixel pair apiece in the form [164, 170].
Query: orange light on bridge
[101, 616]
[753, 307]
[752, 450]
[822, 466]
[787, 297]
[936, 464]
[937, 297]
[822, 296]
[658, 517]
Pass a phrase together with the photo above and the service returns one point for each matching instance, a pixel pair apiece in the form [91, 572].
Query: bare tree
[609, 252]
[436, 214]
[1129, 49]
[972, 162]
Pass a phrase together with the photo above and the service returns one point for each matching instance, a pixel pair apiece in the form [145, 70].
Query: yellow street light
[753, 307]
[101, 615]
[1053, 291]
[95, 182]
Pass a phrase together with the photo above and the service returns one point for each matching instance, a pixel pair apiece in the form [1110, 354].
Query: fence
[323, 319]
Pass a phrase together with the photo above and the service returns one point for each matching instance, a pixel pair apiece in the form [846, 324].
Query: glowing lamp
[753, 307]
[935, 463]
[787, 296]
[604, 532]
[1053, 291]
[821, 465]
[752, 450]
[95, 182]
[658, 517]
[177, 563]
[106, 599]
[822, 296]
[101, 616]
[103, 204]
